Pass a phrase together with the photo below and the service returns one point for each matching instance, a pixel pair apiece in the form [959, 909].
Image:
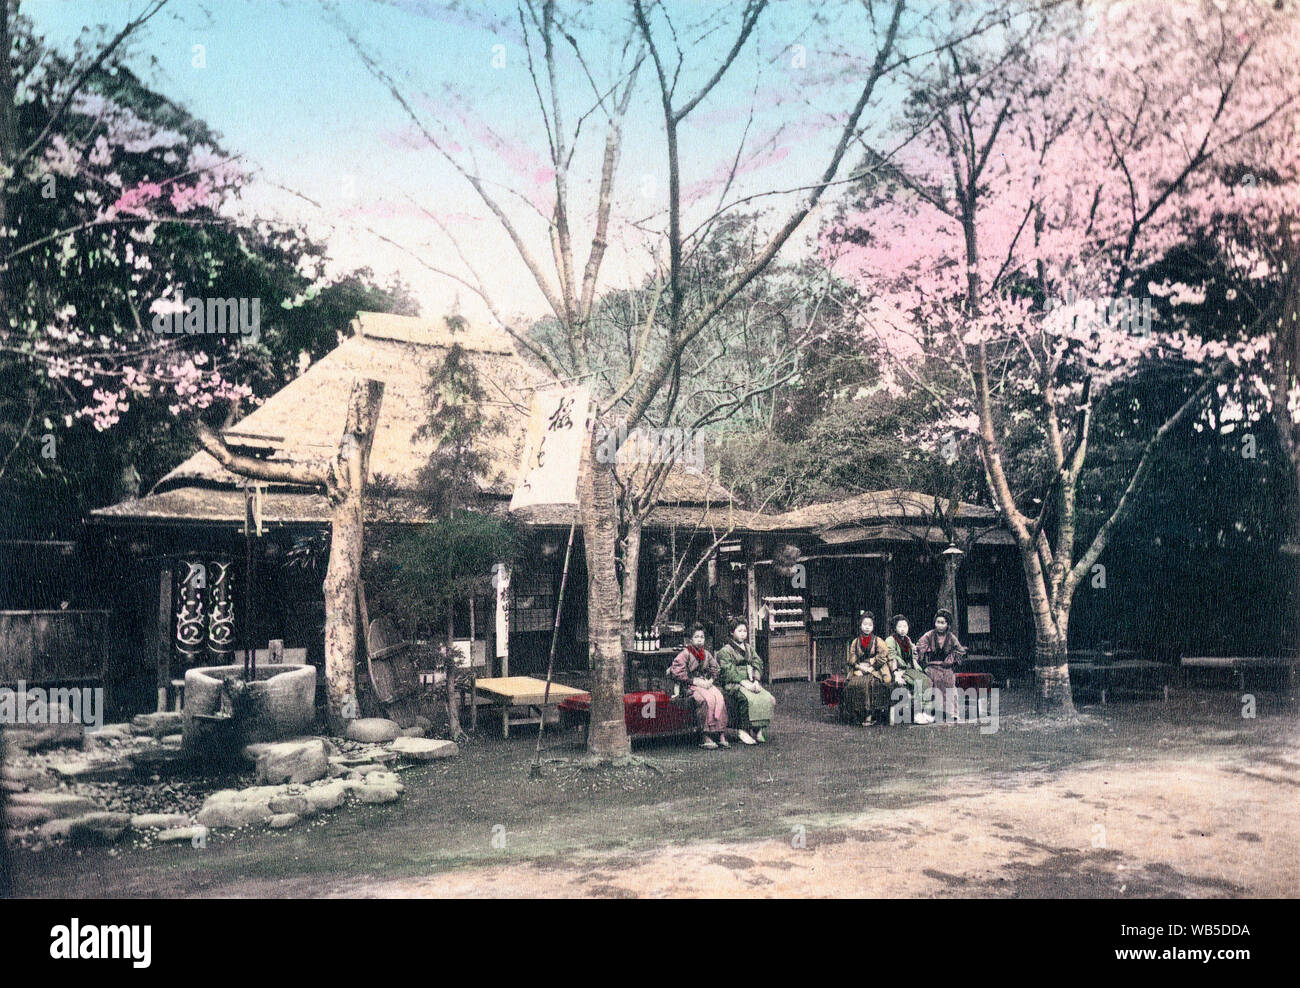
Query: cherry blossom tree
[1040, 172]
[96, 190]
[114, 203]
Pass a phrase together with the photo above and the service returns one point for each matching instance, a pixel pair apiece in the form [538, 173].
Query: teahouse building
[802, 577]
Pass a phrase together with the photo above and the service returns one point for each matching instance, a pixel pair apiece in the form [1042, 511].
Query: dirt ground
[1138, 799]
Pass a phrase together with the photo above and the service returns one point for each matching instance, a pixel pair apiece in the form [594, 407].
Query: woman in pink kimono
[697, 670]
[940, 652]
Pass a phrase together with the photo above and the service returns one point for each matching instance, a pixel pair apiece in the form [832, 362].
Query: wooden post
[889, 591]
[164, 644]
[751, 598]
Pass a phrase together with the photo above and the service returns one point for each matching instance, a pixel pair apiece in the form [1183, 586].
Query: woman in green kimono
[902, 653]
[749, 706]
[870, 678]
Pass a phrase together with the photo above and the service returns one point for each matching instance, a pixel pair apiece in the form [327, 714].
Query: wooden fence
[53, 646]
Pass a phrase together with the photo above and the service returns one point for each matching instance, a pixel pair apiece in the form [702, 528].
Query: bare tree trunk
[7, 153]
[598, 512]
[1285, 360]
[631, 572]
[1052, 692]
[6, 868]
[344, 481]
[341, 578]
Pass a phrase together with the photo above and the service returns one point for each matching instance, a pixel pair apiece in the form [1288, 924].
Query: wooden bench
[1110, 676]
[1001, 666]
[1240, 663]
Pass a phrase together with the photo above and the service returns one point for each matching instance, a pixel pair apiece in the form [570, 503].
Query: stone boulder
[282, 821]
[372, 730]
[55, 829]
[379, 787]
[20, 773]
[424, 749]
[54, 804]
[98, 828]
[157, 725]
[325, 796]
[112, 732]
[159, 821]
[305, 760]
[19, 816]
[239, 807]
[36, 737]
[96, 771]
[181, 834]
[162, 762]
[291, 805]
[378, 794]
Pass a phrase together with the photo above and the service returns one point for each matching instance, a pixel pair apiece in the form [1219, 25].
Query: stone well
[280, 703]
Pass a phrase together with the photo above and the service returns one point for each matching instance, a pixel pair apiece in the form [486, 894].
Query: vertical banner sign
[553, 450]
[502, 583]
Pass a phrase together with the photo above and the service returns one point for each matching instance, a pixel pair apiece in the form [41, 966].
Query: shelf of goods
[788, 652]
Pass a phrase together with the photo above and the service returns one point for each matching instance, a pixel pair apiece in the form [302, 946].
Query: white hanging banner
[501, 580]
[557, 429]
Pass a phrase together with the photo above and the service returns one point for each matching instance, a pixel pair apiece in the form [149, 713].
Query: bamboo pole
[555, 635]
[473, 677]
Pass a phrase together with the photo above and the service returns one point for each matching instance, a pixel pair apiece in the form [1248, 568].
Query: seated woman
[870, 675]
[696, 670]
[749, 706]
[940, 651]
[904, 654]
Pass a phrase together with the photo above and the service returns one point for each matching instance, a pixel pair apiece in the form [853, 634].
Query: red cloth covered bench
[646, 713]
[833, 690]
[974, 680]
[982, 681]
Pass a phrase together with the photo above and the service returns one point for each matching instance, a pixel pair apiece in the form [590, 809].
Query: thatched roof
[305, 418]
[877, 516]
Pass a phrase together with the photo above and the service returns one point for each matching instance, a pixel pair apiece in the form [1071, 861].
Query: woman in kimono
[749, 706]
[941, 652]
[697, 671]
[870, 675]
[903, 653]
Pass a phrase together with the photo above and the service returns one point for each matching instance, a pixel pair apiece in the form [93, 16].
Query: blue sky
[283, 86]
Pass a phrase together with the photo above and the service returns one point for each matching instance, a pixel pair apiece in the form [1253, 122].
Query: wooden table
[1109, 671]
[522, 691]
[1240, 663]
